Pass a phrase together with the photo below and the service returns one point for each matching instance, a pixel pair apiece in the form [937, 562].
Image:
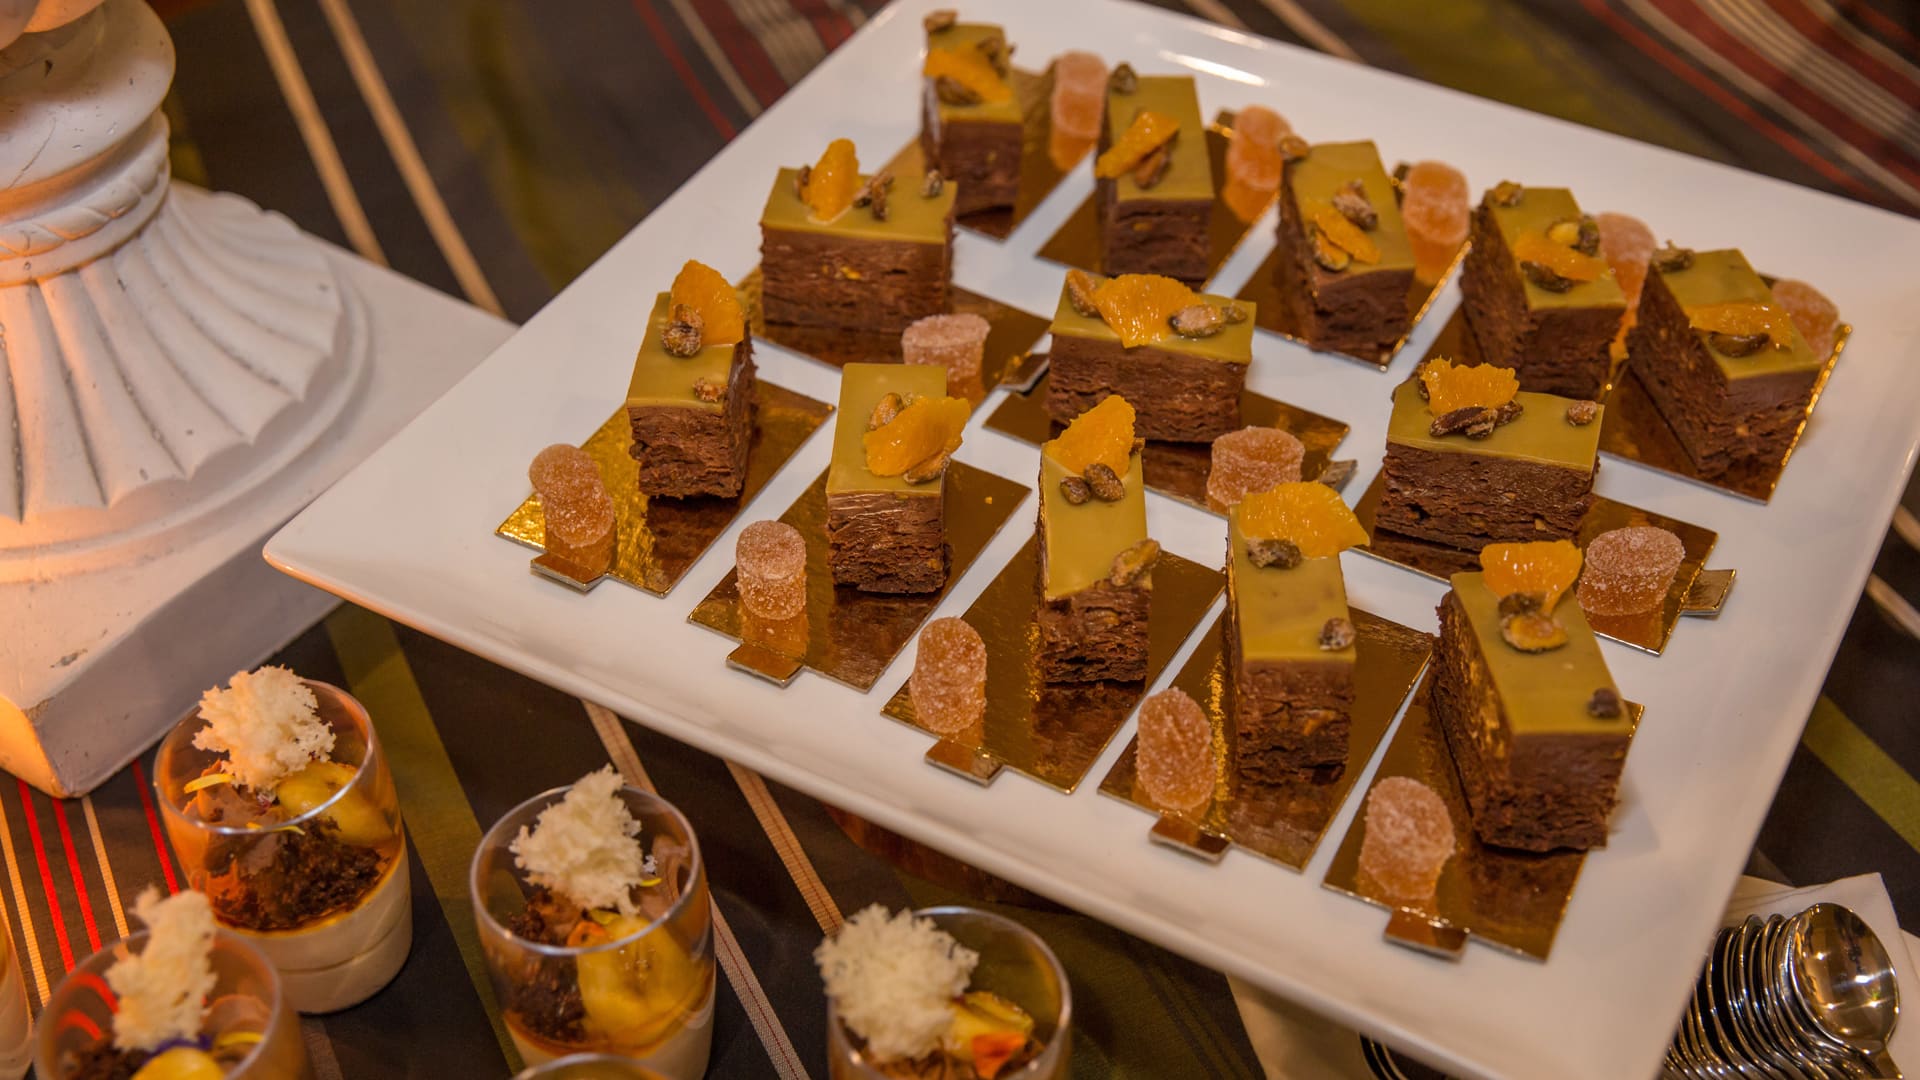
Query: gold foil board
[1011, 335]
[847, 635]
[1280, 822]
[1179, 470]
[1512, 900]
[1695, 589]
[1272, 315]
[1044, 161]
[1078, 242]
[659, 540]
[1054, 732]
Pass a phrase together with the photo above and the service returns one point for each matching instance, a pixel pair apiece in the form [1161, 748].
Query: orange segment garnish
[970, 69]
[1145, 135]
[992, 1051]
[927, 427]
[1311, 515]
[1102, 434]
[1137, 306]
[1743, 317]
[834, 182]
[1546, 568]
[703, 289]
[1450, 387]
[1345, 235]
[1534, 247]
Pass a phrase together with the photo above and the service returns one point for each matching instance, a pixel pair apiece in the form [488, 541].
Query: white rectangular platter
[410, 534]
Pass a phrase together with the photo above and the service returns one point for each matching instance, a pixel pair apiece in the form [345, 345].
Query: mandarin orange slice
[703, 289]
[834, 182]
[1451, 387]
[1148, 132]
[1345, 235]
[1137, 306]
[1102, 434]
[1546, 568]
[925, 428]
[970, 69]
[1534, 247]
[1743, 317]
[1311, 515]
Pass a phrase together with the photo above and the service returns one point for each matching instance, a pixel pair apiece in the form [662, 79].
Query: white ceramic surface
[1725, 705]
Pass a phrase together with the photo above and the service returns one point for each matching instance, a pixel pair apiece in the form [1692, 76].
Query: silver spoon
[1847, 982]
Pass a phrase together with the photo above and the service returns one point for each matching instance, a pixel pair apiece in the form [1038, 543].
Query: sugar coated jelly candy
[1434, 206]
[574, 501]
[1813, 314]
[1253, 157]
[1408, 838]
[770, 560]
[1079, 94]
[1249, 460]
[1174, 758]
[1628, 571]
[949, 684]
[1627, 245]
[955, 342]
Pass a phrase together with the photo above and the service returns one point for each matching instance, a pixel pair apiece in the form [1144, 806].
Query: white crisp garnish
[891, 978]
[586, 847]
[267, 723]
[163, 989]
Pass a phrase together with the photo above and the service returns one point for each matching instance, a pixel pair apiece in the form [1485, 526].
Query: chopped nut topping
[1139, 444]
[1153, 168]
[800, 181]
[1545, 276]
[1234, 313]
[1508, 413]
[879, 206]
[1284, 554]
[1472, 421]
[952, 91]
[874, 194]
[1352, 203]
[999, 55]
[929, 469]
[1132, 564]
[1419, 383]
[1671, 258]
[1293, 147]
[1328, 254]
[1532, 632]
[1075, 490]
[1337, 473]
[1566, 232]
[1080, 288]
[1105, 483]
[942, 19]
[1399, 178]
[1522, 603]
[1737, 345]
[1197, 321]
[1582, 413]
[1589, 241]
[1605, 704]
[709, 390]
[884, 411]
[1507, 193]
[683, 332]
[932, 183]
[1337, 634]
[1123, 80]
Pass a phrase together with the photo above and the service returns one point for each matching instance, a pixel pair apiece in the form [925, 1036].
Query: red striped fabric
[1903, 81]
[664, 42]
[73, 871]
[46, 877]
[153, 826]
[743, 50]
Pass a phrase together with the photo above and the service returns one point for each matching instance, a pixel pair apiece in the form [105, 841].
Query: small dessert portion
[971, 123]
[1249, 460]
[1174, 757]
[1153, 181]
[1435, 207]
[1290, 636]
[1344, 265]
[955, 342]
[949, 684]
[1096, 562]
[1628, 571]
[770, 565]
[575, 506]
[899, 987]
[1721, 359]
[1181, 356]
[1537, 295]
[1537, 728]
[861, 253]
[1408, 839]
[886, 486]
[690, 401]
[1471, 459]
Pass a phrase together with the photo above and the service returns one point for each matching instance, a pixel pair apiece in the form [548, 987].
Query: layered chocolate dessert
[690, 401]
[1345, 265]
[886, 486]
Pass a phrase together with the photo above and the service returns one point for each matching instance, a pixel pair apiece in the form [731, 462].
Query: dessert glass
[1015, 964]
[662, 1017]
[335, 958]
[590, 1067]
[248, 1000]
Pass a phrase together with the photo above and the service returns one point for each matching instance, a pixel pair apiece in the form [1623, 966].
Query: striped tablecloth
[493, 148]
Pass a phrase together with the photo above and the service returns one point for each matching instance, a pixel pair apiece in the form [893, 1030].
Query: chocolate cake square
[974, 136]
[1724, 409]
[1293, 699]
[1539, 770]
[1341, 301]
[1159, 228]
[857, 272]
[692, 417]
[1182, 389]
[1090, 627]
[1556, 337]
[884, 533]
[1530, 479]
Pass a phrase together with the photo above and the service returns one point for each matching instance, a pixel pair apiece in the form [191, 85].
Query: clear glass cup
[1016, 964]
[590, 1067]
[256, 877]
[248, 999]
[646, 995]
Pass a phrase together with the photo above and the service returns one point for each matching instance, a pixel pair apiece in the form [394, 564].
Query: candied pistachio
[1399, 178]
[1134, 563]
[952, 91]
[711, 391]
[1197, 321]
[1080, 288]
[1419, 383]
[1153, 168]
[1672, 257]
[878, 205]
[884, 410]
[1589, 242]
[932, 183]
[1337, 634]
[1337, 473]
[1139, 444]
[1582, 413]
[684, 330]
[998, 54]
[1075, 490]
[1605, 704]
[1508, 413]
[1507, 193]
[1533, 632]
[1234, 313]
[1565, 232]
[1545, 276]
[800, 181]
[1123, 80]
[1472, 421]
[1294, 147]
[1275, 552]
[939, 20]
[1353, 204]
[1105, 483]
[1737, 345]
[929, 469]
[1328, 254]
[1522, 603]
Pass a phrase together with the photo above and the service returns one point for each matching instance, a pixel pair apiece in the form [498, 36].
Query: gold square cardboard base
[845, 634]
[1281, 822]
[1270, 314]
[1512, 900]
[1054, 732]
[1011, 336]
[1044, 159]
[1695, 590]
[1179, 470]
[658, 540]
